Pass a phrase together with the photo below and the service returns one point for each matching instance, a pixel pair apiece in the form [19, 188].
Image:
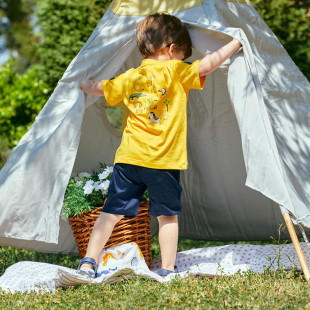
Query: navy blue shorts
[129, 182]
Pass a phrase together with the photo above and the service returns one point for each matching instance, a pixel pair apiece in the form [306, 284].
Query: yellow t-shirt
[156, 95]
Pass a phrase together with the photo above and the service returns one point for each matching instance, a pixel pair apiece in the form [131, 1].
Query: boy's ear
[171, 49]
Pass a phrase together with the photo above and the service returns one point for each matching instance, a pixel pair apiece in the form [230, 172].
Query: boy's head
[160, 30]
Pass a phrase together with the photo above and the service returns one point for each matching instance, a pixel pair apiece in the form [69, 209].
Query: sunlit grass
[278, 290]
[272, 290]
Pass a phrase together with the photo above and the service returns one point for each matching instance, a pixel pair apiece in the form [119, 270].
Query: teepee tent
[248, 132]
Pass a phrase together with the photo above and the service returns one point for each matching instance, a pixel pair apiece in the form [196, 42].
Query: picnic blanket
[127, 261]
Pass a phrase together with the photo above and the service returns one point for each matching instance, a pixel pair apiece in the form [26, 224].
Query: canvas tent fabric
[248, 132]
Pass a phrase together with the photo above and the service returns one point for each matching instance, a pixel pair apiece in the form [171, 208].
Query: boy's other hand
[86, 85]
[91, 87]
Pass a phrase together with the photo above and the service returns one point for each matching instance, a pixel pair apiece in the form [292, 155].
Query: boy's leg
[100, 234]
[168, 240]
[125, 192]
[165, 193]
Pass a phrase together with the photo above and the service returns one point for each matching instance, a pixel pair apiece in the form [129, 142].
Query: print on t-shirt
[147, 98]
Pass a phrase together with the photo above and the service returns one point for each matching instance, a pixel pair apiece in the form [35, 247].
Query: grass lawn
[272, 290]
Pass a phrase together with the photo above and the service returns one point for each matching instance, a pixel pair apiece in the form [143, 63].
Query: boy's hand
[86, 85]
[237, 42]
[212, 61]
[91, 87]
[239, 45]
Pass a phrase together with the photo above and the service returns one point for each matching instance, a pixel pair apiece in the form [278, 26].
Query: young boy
[153, 147]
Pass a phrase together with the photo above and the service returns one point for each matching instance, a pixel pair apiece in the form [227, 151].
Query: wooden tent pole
[297, 246]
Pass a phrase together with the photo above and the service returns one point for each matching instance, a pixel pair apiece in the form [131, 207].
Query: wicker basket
[135, 229]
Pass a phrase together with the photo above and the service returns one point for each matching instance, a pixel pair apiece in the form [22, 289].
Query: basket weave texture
[135, 229]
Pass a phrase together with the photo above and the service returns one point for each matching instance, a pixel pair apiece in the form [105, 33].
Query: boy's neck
[167, 53]
[161, 55]
[158, 57]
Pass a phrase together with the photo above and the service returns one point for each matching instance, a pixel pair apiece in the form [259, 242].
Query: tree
[64, 28]
[16, 26]
[289, 20]
[22, 97]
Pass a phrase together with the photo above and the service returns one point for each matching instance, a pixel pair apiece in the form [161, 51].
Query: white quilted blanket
[126, 261]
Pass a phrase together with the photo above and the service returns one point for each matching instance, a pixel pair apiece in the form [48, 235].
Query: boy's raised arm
[93, 88]
[212, 61]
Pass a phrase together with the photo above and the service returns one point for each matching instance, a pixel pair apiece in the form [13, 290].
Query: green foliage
[115, 117]
[76, 202]
[86, 192]
[4, 151]
[64, 28]
[289, 20]
[17, 27]
[22, 97]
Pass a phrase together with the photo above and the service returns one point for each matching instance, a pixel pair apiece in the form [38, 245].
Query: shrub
[21, 99]
[289, 20]
[4, 151]
[64, 28]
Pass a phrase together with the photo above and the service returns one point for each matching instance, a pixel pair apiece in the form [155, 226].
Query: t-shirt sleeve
[114, 89]
[188, 74]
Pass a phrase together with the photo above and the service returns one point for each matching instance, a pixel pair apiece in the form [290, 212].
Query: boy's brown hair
[159, 30]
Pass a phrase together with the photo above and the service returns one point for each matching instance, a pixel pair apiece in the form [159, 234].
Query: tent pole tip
[297, 246]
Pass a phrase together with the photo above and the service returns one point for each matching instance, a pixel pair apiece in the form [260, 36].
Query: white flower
[90, 182]
[85, 175]
[88, 187]
[110, 168]
[95, 185]
[104, 192]
[98, 186]
[106, 184]
[103, 175]
[106, 172]
[103, 186]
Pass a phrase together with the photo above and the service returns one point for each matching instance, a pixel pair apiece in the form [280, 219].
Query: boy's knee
[167, 219]
[114, 218]
[118, 217]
